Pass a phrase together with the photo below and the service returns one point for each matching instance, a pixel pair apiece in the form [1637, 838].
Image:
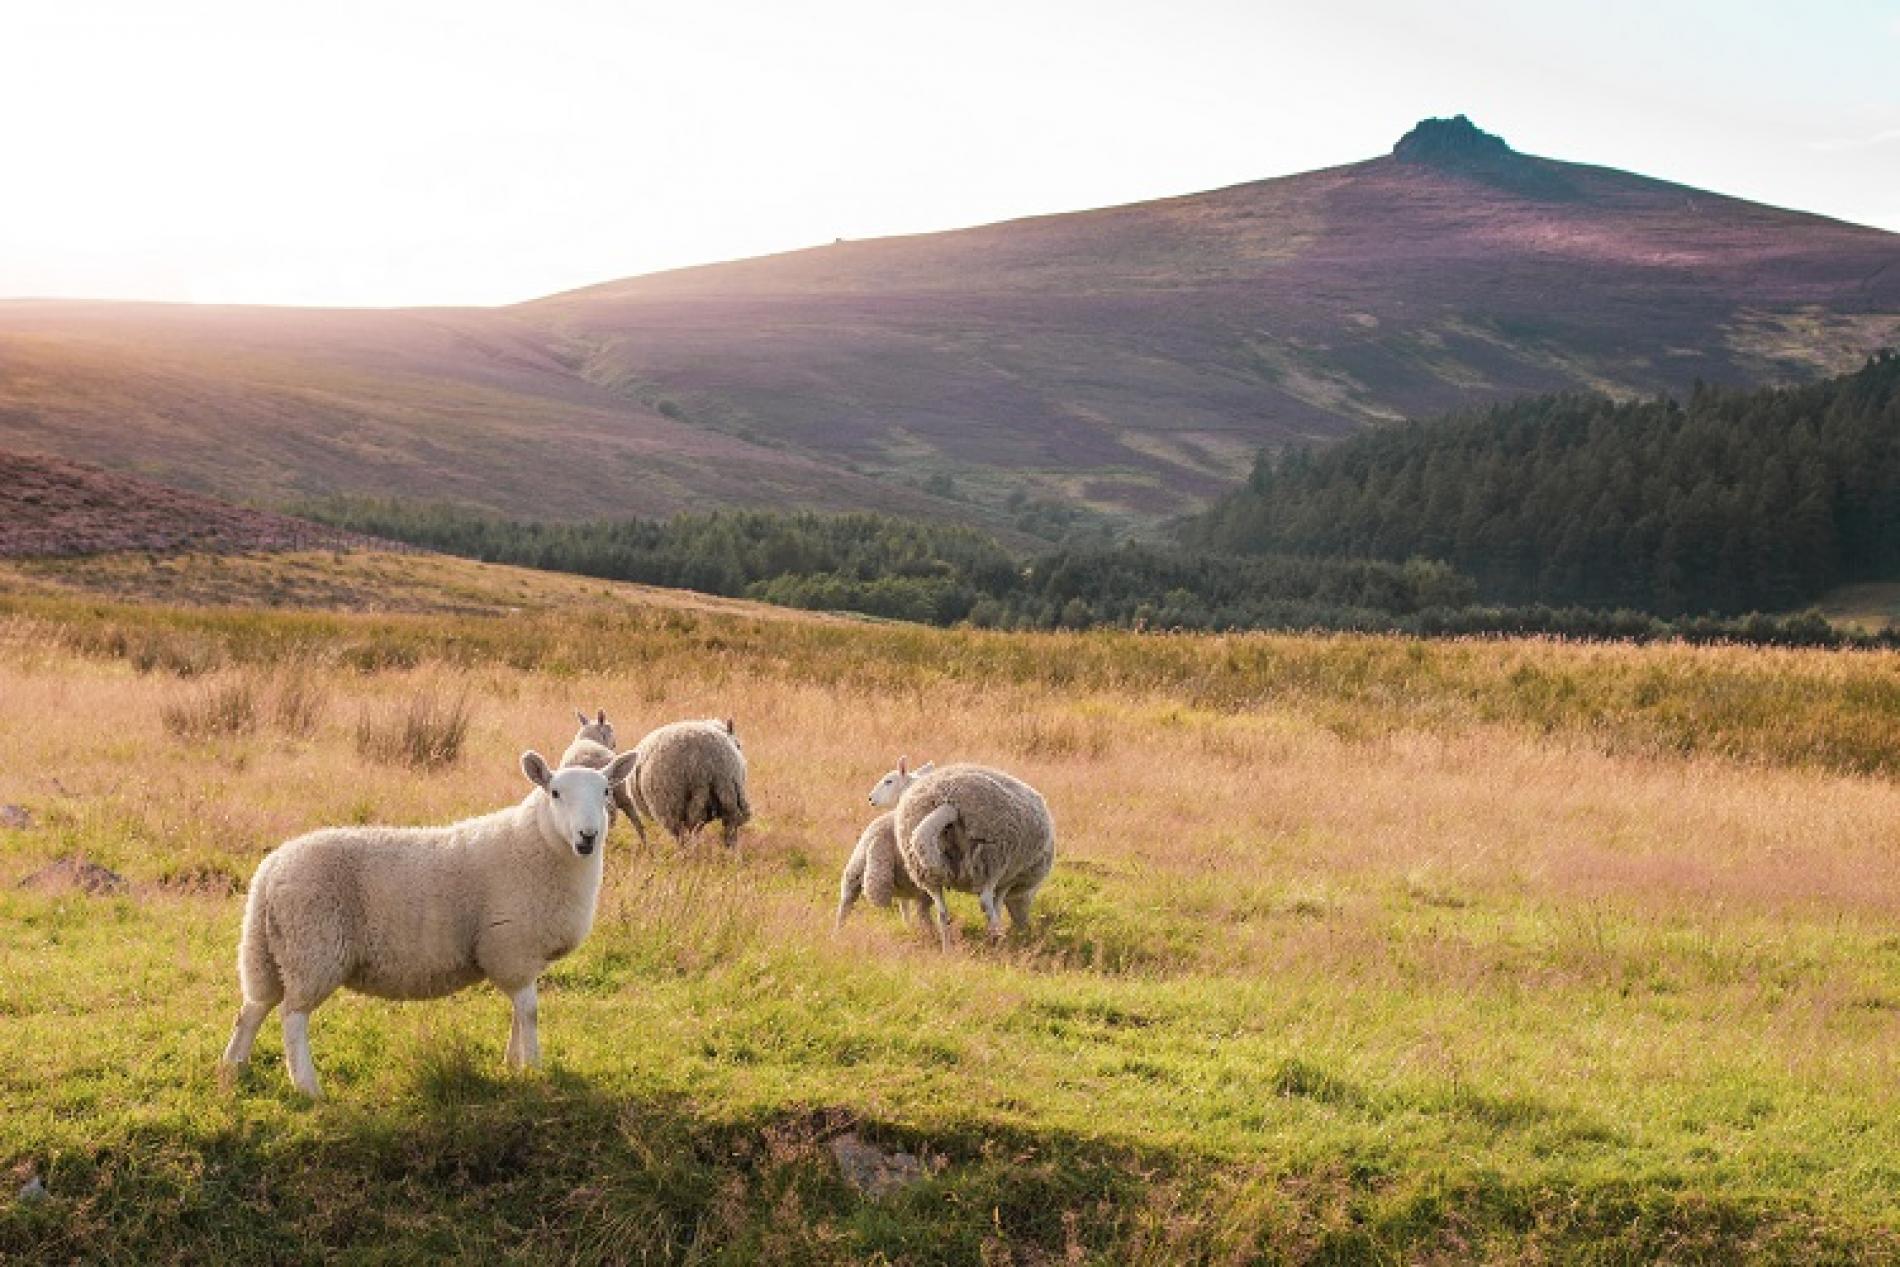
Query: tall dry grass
[292, 700]
[1249, 833]
[227, 707]
[424, 732]
[1825, 709]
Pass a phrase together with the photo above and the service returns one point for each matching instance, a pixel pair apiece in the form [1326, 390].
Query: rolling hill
[1128, 360]
[52, 508]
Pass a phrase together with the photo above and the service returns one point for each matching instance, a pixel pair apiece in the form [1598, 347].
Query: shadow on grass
[470, 1165]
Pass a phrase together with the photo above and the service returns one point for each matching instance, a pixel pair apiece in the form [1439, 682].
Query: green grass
[1179, 1117]
[1358, 951]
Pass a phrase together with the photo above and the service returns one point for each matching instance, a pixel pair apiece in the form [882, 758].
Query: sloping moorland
[1126, 362]
[52, 508]
[1358, 950]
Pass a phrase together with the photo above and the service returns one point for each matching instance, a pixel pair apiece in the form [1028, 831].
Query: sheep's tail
[927, 838]
[257, 967]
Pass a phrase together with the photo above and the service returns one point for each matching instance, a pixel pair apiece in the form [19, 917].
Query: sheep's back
[687, 764]
[391, 905]
[1003, 829]
[589, 754]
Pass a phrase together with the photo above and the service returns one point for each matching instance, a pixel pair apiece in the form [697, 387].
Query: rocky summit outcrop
[1450, 142]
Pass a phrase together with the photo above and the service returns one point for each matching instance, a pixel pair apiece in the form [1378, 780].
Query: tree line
[1730, 502]
[945, 575]
[934, 573]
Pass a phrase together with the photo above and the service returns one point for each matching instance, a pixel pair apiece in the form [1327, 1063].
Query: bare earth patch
[79, 874]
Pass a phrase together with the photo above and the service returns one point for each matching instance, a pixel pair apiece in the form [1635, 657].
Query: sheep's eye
[556, 795]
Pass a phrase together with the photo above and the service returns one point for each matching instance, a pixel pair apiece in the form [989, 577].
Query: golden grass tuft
[300, 702]
[425, 732]
[292, 702]
[215, 710]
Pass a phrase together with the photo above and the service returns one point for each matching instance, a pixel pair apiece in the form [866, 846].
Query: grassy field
[1870, 606]
[1358, 950]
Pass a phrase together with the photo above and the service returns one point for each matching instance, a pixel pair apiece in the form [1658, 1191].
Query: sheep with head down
[876, 871]
[690, 773]
[593, 747]
[974, 829]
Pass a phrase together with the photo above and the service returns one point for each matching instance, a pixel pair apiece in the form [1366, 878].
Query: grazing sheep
[420, 912]
[599, 732]
[975, 829]
[690, 773]
[876, 870]
[593, 747]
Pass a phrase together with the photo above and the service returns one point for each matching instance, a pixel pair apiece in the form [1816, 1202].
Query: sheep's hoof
[228, 1074]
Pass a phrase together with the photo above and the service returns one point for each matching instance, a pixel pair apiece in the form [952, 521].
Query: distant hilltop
[1452, 140]
[1118, 366]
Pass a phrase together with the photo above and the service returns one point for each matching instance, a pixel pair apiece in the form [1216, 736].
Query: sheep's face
[891, 787]
[599, 729]
[577, 803]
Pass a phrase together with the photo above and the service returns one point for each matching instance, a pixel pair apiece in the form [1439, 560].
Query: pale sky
[461, 151]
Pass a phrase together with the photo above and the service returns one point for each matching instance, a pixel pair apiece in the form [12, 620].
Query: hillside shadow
[469, 1164]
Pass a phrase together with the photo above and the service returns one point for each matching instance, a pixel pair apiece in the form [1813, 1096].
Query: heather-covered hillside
[1123, 363]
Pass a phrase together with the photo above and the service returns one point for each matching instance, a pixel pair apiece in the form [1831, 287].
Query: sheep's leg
[524, 1032]
[625, 802]
[731, 831]
[237, 1052]
[943, 917]
[699, 810]
[303, 1070]
[993, 913]
[1017, 904]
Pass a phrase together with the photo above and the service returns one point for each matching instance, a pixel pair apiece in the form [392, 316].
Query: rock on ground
[872, 1170]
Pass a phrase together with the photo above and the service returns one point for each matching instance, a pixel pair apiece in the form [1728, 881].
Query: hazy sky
[401, 152]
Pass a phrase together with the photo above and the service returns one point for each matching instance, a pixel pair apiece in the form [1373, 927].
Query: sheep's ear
[903, 765]
[730, 728]
[535, 766]
[602, 718]
[926, 767]
[583, 716]
[621, 767]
